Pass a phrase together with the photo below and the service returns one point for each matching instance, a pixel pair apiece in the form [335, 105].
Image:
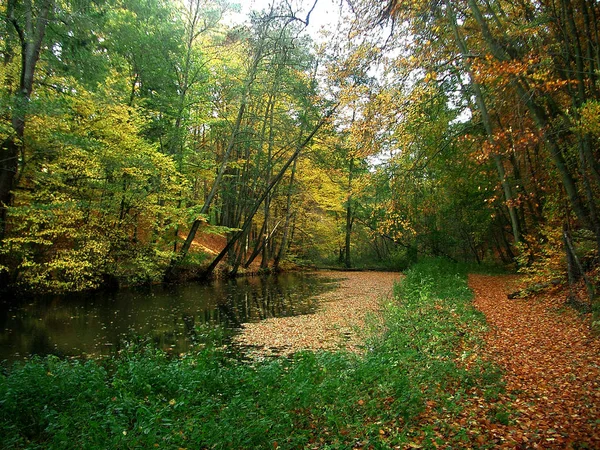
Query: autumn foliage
[495, 119]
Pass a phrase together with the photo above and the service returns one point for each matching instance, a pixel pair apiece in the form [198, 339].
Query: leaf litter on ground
[337, 324]
[551, 365]
[549, 358]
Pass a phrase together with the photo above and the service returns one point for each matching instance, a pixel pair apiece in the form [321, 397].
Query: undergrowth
[146, 399]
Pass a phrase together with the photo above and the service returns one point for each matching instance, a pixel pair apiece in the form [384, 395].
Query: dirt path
[336, 324]
[551, 363]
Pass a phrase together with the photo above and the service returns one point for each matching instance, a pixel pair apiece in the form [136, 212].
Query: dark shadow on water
[172, 317]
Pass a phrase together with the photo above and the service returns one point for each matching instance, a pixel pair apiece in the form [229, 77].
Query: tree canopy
[132, 129]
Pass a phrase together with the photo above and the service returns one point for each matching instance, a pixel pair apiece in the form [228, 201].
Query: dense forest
[146, 143]
[132, 128]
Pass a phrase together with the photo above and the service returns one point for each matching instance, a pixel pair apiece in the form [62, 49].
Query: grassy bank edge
[420, 370]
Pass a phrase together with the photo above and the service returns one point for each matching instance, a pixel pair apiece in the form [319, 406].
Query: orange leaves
[532, 68]
[509, 140]
[551, 367]
[551, 371]
[490, 70]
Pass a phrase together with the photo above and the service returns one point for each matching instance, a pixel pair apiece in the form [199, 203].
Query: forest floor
[439, 377]
[549, 358]
[551, 365]
[338, 324]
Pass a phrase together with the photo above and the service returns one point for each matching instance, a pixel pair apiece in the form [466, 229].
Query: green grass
[146, 399]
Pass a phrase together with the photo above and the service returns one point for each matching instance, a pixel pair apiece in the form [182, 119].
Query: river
[172, 317]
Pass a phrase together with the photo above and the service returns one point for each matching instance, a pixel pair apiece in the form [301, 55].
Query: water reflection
[169, 316]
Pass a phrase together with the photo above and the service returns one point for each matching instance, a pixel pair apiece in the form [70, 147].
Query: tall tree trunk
[264, 263]
[257, 247]
[242, 203]
[349, 219]
[288, 217]
[31, 35]
[487, 123]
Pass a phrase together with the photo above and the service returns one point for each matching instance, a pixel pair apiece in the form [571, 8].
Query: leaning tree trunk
[248, 222]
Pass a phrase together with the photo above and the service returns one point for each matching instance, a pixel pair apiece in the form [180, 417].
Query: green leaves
[95, 184]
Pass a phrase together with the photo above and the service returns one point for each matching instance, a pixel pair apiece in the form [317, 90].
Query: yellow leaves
[9, 73]
[77, 161]
[56, 227]
[589, 118]
[547, 254]
[430, 76]
[319, 187]
[100, 191]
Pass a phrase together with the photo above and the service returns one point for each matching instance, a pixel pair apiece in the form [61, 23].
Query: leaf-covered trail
[336, 324]
[551, 363]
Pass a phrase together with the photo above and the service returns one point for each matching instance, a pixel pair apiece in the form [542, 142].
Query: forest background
[466, 129]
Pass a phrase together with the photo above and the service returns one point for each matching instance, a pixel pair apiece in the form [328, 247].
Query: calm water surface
[170, 316]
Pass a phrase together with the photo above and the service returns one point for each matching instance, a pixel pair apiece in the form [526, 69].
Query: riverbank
[434, 374]
[145, 398]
